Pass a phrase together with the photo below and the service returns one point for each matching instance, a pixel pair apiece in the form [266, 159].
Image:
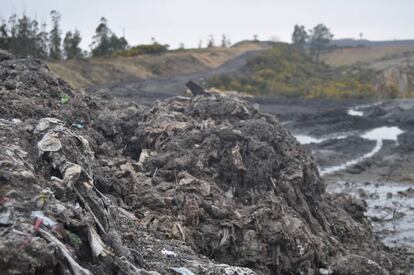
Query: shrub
[155, 48]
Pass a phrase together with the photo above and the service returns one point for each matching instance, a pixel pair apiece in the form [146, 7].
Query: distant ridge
[349, 42]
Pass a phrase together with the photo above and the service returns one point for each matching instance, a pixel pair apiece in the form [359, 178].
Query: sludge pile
[89, 185]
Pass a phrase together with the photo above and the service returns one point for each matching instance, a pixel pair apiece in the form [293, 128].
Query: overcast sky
[189, 21]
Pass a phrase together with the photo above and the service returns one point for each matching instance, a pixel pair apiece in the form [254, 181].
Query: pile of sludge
[200, 185]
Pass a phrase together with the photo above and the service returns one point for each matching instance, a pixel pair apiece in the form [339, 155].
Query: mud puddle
[390, 208]
[378, 135]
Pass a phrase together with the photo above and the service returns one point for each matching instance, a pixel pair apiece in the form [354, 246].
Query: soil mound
[201, 185]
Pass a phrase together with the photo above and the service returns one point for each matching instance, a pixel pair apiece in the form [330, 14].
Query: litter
[49, 144]
[5, 218]
[182, 270]
[64, 98]
[78, 125]
[168, 252]
[40, 216]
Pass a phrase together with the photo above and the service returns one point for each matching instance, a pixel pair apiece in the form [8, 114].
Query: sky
[189, 21]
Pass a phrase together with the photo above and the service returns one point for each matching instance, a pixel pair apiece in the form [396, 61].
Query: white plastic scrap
[182, 270]
[324, 271]
[168, 252]
[46, 221]
[5, 217]
[49, 144]
[235, 270]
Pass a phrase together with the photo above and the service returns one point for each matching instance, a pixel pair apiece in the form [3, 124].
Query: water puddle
[304, 139]
[333, 169]
[378, 134]
[353, 112]
[382, 133]
[390, 208]
[356, 111]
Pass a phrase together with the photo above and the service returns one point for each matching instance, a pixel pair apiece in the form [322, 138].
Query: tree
[4, 36]
[23, 37]
[55, 37]
[101, 45]
[224, 41]
[210, 41]
[71, 45]
[105, 42]
[320, 37]
[41, 43]
[299, 37]
[117, 44]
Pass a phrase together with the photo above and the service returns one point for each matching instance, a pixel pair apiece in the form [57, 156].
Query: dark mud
[92, 185]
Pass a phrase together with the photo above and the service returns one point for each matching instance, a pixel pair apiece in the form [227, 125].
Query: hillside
[103, 71]
[352, 55]
[349, 42]
[286, 71]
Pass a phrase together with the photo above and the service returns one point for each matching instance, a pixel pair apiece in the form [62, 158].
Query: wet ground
[390, 208]
[372, 161]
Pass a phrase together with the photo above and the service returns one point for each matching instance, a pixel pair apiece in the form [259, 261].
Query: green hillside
[285, 71]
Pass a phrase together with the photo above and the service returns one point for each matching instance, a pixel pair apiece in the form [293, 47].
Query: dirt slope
[103, 71]
[351, 56]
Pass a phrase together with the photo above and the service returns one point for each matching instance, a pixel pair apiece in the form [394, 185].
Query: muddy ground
[378, 168]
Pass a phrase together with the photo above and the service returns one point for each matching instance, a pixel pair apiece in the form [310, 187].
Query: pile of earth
[201, 185]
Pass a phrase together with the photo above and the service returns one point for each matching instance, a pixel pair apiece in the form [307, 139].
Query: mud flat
[389, 207]
[370, 164]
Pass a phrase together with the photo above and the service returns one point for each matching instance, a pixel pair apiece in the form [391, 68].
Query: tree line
[315, 40]
[25, 36]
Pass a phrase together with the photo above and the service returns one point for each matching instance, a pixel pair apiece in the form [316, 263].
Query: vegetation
[300, 37]
[320, 37]
[286, 71]
[24, 36]
[105, 42]
[154, 48]
[71, 45]
[55, 38]
[317, 40]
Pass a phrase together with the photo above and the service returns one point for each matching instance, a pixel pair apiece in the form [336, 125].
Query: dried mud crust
[90, 185]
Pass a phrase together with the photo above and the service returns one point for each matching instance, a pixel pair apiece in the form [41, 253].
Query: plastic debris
[49, 144]
[5, 217]
[45, 220]
[182, 270]
[168, 252]
[97, 246]
[78, 125]
[64, 98]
